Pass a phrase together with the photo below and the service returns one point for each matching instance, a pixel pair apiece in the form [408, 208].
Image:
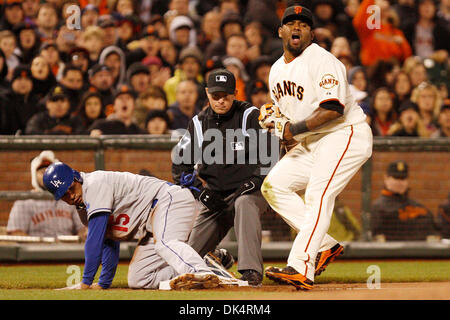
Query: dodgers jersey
[314, 77]
[127, 197]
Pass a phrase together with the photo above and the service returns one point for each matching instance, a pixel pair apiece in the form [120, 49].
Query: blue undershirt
[98, 250]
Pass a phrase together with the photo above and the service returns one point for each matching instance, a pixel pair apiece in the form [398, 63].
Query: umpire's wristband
[298, 128]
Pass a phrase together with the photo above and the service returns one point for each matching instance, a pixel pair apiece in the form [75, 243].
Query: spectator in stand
[56, 120]
[101, 79]
[4, 83]
[260, 69]
[185, 106]
[409, 123]
[444, 122]
[444, 13]
[89, 110]
[427, 36]
[66, 40]
[235, 66]
[92, 39]
[168, 53]
[237, 47]
[8, 44]
[50, 53]
[357, 78]
[258, 93]
[231, 24]
[138, 77]
[127, 29]
[19, 103]
[114, 58]
[43, 78]
[416, 70]
[30, 9]
[394, 215]
[121, 121]
[210, 29]
[157, 122]
[28, 42]
[72, 84]
[402, 88]
[429, 102]
[148, 45]
[382, 74]
[265, 13]
[406, 12]
[47, 22]
[253, 33]
[89, 16]
[43, 218]
[190, 68]
[108, 26]
[13, 14]
[382, 115]
[182, 32]
[379, 42]
[123, 7]
[79, 57]
[325, 12]
[158, 73]
[154, 98]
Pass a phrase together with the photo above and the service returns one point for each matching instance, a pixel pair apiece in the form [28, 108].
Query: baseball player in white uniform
[43, 218]
[313, 110]
[121, 206]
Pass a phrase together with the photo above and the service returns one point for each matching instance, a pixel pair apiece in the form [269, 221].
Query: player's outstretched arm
[93, 247]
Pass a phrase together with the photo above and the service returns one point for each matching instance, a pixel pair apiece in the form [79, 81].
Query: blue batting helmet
[58, 178]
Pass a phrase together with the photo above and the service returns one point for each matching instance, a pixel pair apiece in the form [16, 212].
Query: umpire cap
[297, 13]
[58, 178]
[221, 80]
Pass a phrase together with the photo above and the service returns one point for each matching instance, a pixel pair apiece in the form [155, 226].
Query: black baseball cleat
[253, 277]
[223, 257]
[289, 275]
[324, 258]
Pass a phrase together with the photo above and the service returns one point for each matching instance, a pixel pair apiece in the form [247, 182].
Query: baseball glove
[268, 113]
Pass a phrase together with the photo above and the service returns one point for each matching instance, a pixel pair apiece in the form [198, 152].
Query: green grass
[36, 281]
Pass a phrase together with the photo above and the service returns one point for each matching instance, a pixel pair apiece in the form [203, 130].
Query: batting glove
[271, 114]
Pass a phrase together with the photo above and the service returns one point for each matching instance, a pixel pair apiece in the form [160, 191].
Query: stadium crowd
[131, 67]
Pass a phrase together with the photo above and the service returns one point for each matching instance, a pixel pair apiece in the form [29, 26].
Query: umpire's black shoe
[254, 278]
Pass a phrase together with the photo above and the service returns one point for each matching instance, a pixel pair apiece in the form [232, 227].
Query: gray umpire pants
[245, 215]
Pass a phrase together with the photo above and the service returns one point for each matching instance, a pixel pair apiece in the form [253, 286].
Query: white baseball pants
[322, 167]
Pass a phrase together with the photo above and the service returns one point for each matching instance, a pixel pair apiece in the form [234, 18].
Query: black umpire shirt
[222, 175]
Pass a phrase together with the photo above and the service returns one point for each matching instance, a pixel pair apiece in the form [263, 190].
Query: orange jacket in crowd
[383, 43]
[102, 5]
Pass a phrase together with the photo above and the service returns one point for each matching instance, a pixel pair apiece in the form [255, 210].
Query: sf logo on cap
[56, 183]
[221, 78]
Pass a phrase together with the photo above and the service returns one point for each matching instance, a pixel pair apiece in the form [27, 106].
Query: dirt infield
[357, 291]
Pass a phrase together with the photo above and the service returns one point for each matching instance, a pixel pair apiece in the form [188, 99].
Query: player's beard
[295, 51]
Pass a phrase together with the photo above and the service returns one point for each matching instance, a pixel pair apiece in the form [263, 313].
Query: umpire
[228, 190]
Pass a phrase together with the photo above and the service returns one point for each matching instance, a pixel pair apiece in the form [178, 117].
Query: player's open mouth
[295, 39]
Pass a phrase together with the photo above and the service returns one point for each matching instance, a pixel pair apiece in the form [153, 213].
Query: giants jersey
[127, 197]
[316, 76]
